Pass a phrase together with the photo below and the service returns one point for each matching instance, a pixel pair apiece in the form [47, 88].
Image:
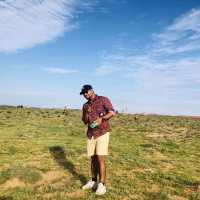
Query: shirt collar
[95, 98]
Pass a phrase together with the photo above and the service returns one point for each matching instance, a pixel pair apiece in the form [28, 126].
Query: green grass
[43, 156]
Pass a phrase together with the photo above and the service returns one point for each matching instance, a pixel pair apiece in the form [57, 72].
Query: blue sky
[144, 55]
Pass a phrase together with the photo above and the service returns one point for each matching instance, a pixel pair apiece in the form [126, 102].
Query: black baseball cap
[85, 89]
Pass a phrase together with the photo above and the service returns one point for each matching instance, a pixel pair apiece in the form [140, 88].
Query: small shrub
[4, 176]
[12, 150]
[30, 175]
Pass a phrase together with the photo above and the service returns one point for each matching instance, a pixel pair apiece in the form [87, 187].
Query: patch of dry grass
[43, 156]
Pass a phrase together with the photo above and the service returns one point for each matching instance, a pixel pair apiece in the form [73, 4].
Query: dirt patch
[190, 190]
[154, 188]
[14, 182]
[35, 163]
[48, 196]
[155, 135]
[157, 155]
[50, 177]
[132, 196]
[175, 197]
[76, 194]
[166, 167]
[142, 170]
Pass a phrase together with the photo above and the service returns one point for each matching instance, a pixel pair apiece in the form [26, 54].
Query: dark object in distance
[6, 198]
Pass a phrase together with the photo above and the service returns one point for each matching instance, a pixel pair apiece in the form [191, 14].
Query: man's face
[88, 94]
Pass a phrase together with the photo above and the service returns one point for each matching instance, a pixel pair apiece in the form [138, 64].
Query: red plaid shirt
[92, 110]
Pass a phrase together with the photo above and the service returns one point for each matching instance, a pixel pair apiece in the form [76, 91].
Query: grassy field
[43, 156]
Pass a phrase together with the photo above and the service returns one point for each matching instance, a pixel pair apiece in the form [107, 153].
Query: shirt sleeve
[108, 105]
[84, 115]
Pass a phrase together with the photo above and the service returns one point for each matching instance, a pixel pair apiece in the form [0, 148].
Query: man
[96, 113]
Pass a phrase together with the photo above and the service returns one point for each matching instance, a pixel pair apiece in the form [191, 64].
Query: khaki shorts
[98, 146]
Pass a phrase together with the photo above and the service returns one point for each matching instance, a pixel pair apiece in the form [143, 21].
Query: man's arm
[110, 111]
[105, 117]
[108, 115]
[84, 116]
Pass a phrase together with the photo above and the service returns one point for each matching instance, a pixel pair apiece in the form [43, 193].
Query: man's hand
[98, 121]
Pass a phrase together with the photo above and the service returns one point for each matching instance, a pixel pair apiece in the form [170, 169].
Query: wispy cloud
[169, 69]
[182, 35]
[27, 23]
[165, 52]
[60, 71]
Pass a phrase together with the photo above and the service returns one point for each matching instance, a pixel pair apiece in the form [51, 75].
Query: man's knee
[94, 158]
[101, 158]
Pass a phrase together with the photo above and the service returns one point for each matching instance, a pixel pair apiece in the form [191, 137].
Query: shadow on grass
[6, 198]
[59, 155]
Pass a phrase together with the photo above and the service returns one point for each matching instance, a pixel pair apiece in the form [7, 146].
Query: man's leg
[94, 167]
[101, 189]
[102, 152]
[91, 143]
[102, 168]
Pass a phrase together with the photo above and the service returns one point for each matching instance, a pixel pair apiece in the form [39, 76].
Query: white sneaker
[101, 189]
[89, 185]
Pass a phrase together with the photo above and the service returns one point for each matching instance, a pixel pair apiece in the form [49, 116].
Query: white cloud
[111, 64]
[181, 36]
[172, 41]
[27, 23]
[61, 71]
[168, 73]
[107, 69]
